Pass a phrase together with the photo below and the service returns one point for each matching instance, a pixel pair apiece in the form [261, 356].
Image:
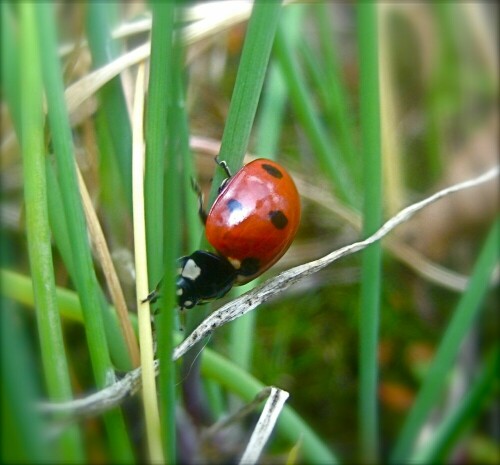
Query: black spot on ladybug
[272, 170]
[249, 266]
[234, 205]
[278, 219]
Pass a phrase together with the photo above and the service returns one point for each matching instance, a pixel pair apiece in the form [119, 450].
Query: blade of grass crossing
[467, 309]
[18, 287]
[85, 281]
[38, 232]
[372, 219]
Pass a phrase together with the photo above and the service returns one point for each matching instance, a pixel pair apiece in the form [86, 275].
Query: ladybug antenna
[224, 166]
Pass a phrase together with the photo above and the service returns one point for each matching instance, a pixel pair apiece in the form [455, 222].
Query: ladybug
[251, 224]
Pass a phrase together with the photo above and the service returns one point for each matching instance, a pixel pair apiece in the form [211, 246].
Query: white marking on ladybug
[188, 303]
[179, 291]
[191, 270]
[235, 262]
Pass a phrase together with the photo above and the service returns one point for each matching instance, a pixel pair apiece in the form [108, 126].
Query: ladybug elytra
[251, 224]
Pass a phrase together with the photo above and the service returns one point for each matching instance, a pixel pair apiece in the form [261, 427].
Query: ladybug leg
[154, 295]
[224, 166]
[201, 211]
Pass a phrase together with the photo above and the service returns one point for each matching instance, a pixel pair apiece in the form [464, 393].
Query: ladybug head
[203, 276]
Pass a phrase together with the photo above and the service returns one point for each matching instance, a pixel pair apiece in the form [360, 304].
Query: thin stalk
[38, 231]
[372, 219]
[149, 396]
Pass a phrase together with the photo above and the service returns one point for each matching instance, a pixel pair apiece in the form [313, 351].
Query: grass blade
[38, 231]
[247, 89]
[104, 50]
[467, 309]
[85, 281]
[372, 219]
[452, 427]
[149, 395]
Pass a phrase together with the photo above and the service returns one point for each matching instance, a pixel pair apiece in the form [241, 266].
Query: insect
[251, 224]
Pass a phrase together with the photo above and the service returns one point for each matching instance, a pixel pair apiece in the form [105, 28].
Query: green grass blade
[272, 109]
[339, 108]
[22, 427]
[466, 412]
[327, 154]
[38, 231]
[167, 62]
[104, 50]
[117, 346]
[156, 136]
[372, 218]
[85, 282]
[247, 89]
[269, 125]
[10, 66]
[18, 287]
[274, 98]
[467, 309]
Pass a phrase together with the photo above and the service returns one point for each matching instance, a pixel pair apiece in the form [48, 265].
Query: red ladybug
[251, 225]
